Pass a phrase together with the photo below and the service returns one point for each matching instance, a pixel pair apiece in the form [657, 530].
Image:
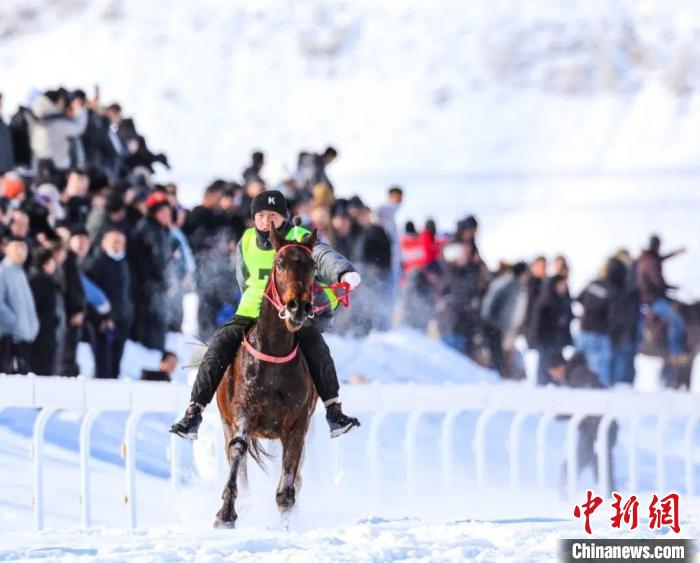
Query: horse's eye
[278, 265]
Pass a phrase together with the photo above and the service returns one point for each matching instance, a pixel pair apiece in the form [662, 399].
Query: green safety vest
[259, 263]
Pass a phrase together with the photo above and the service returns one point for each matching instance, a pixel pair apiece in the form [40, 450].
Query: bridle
[273, 296]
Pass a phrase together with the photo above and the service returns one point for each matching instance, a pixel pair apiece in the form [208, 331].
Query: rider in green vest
[254, 260]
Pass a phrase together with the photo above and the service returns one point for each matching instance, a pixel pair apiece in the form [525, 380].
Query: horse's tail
[258, 453]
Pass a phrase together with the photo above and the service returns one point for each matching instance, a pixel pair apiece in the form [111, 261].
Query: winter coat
[114, 279]
[19, 131]
[73, 292]
[459, 291]
[18, 318]
[596, 300]
[650, 278]
[7, 153]
[149, 251]
[550, 321]
[412, 253]
[499, 308]
[48, 301]
[373, 248]
[203, 228]
[50, 131]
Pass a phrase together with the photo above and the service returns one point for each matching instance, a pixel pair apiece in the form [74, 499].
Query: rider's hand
[353, 279]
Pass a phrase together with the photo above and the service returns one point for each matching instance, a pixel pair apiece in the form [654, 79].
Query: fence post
[516, 426]
[540, 448]
[602, 444]
[480, 445]
[660, 461]
[373, 446]
[410, 449]
[689, 462]
[446, 442]
[572, 439]
[85, 433]
[38, 464]
[129, 454]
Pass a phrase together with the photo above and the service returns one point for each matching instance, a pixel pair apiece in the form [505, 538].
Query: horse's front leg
[236, 449]
[292, 448]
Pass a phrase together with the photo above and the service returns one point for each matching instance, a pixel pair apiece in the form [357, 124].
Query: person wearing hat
[254, 258]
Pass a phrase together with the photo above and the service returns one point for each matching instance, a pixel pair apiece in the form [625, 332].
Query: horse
[267, 391]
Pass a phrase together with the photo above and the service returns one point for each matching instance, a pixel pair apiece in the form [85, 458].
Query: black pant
[14, 356]
[69, 365]
[494, 338]
[229, 337]
[108, 350]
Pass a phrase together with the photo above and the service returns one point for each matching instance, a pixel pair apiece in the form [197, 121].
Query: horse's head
[293, 278]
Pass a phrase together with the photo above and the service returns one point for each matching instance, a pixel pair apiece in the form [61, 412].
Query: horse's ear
[310, 241]
[276, 239]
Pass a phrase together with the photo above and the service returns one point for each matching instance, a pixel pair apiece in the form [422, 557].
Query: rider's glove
[353, 279]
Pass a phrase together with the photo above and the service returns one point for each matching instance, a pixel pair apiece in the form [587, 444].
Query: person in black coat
[549, 328]
[47, 300]
[109, 269]
[74, 298]
[149, 250]
[372, 255]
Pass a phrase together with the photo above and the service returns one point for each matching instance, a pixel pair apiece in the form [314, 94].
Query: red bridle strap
[272, 293]
[258, 355]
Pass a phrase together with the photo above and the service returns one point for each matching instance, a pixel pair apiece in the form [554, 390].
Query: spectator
[252, 189]
[74, 298]
[311, 169]
[575, 373]
[417, 298]
[168, 364]
[561, 266]
[428, 237]
[503, 312]
[109, 269]
[19, 324]
[253, 171]
[75, 197]
[461, 286]
[549, 330]
[535, 284]
[594, 337]
[112, 217]
[52, 122]
[653, 289]
[203, 228]
[47, 296]
[373, 258]
[149, 251]
[19, 224]
[7, 153]
[412, 250]
[19, 133]
[624, 318]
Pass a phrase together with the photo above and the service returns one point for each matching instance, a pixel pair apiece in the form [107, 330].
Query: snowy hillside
[402, 88]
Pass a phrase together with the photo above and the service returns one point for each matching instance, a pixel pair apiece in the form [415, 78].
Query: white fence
[416, 401]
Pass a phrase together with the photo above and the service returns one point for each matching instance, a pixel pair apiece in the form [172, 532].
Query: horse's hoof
[221, 525]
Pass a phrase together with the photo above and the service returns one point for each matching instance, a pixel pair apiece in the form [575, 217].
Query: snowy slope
[405, 88]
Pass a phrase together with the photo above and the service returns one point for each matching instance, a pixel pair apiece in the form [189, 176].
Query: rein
[273, 296]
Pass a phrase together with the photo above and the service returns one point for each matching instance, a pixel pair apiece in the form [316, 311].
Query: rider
[254, 259]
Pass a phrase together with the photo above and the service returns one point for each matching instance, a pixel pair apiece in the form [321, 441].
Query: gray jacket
[17, 310]
[50, 130]
[330, 267]
[500, 305]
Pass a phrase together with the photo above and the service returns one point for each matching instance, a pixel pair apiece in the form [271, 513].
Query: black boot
[338, 422]
[189, 424]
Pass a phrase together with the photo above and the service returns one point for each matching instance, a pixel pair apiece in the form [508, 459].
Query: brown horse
[267, 391]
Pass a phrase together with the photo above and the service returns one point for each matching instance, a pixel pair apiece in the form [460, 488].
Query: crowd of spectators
[94, 249]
